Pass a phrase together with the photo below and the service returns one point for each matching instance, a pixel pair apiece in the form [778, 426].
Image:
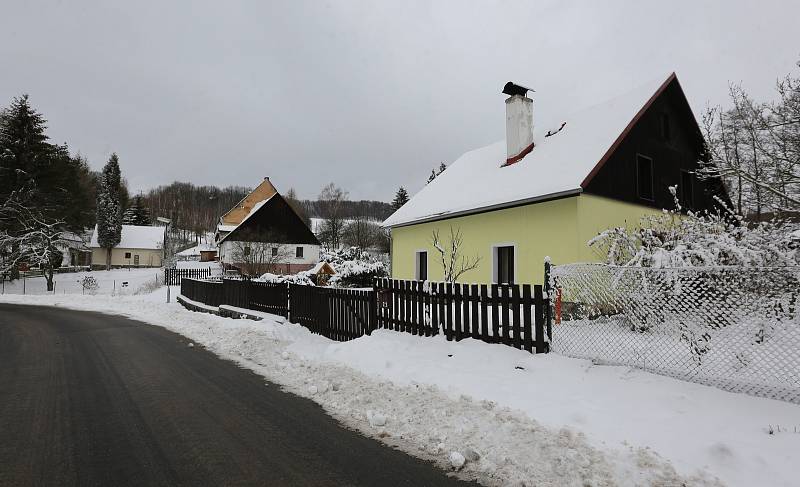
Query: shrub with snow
[700, 240]
[301, 278]
[354, 267]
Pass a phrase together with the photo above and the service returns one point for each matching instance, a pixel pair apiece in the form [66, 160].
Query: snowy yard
[115, 281]
[520, 419]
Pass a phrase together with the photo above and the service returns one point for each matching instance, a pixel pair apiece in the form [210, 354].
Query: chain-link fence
[736, 328]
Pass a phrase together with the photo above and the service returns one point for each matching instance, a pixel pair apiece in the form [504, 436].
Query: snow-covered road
[532, 420]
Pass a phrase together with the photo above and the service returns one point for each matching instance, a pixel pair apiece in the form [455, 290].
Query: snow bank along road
[522, 419]
[92, 399]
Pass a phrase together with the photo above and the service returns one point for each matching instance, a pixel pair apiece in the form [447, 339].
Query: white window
[421, 265]
[504, 264]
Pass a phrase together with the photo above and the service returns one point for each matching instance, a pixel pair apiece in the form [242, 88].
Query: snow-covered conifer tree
[137, 213]
[109, 226]
[400, 198]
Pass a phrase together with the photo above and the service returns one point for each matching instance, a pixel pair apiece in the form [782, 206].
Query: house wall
[560, 229]
[538, 230]
[597, 213]
[147, 257]
[229, 253]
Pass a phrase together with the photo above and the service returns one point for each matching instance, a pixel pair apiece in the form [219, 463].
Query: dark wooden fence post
[548, 294]
[541, 346]
[527, 323]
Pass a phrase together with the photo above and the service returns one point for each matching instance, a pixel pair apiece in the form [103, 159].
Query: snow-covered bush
[700, 240]
[699, 274]
[302, 278]
[150, 286]
[89, 284]
[354, 267]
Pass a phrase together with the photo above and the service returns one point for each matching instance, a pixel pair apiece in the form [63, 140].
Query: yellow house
[553, 185]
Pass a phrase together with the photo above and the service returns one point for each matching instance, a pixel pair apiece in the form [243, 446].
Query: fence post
[548, 312]
[373, 308]
[288, 302]
[539, 301]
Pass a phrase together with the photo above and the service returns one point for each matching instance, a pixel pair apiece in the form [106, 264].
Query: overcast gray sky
[370, 95]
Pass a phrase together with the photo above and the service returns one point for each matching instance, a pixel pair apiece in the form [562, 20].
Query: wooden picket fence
[206, 292]
[339, 314]
[512, 315]
[267, 297]
[172, 277]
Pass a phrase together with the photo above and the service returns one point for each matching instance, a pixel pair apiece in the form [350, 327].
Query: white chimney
[519, 123]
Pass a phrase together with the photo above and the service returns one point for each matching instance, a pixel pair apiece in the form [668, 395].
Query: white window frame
[427, 264]
[495, 270]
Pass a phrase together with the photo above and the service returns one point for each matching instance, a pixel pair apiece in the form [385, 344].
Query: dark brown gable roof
[671, 79]
[274, 221]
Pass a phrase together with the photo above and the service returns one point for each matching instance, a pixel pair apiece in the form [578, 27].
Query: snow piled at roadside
[440, 401]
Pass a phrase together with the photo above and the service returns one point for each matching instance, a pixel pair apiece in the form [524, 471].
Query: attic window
[644, 177]
[665, 128]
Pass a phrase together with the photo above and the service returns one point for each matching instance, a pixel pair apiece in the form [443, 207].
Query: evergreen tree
[23, 146]
[400, 198]
[109, 226]
[137, 213]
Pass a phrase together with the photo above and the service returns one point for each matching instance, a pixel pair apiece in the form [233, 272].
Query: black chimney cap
[512, 89]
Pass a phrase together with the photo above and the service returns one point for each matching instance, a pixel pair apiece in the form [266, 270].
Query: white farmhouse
[270, 237]
[140, 246]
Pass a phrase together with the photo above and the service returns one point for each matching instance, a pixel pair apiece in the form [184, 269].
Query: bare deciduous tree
[755, 149]
[360, 233]
[454, 265]
[330, 205]
[37, 241]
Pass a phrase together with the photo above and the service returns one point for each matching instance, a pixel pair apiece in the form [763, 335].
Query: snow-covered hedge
[354, 267]
[700, 240]
[302, 278]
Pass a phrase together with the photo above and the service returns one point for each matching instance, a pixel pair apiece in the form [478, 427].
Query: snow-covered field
[115, 281]
[531, 419]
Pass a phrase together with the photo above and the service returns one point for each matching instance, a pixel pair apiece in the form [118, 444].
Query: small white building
[139, 246]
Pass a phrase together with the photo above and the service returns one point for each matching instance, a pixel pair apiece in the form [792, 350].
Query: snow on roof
[253, 211]
[204, 247]
[321, 265]
[225, 228]
[557, 165]
[136, 237]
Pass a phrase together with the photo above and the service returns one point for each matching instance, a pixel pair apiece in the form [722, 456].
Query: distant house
[74, 250]
[235, 215]
[140, 246]
[553, 184]
[202, 253]
[269, 237]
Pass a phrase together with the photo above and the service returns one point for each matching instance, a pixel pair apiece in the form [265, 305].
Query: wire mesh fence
[736, 328]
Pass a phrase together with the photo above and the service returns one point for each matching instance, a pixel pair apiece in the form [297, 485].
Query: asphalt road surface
[91, 399]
